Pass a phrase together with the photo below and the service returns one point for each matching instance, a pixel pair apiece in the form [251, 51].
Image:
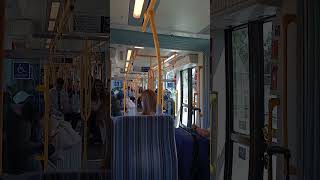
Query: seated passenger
[148, 102]
[22, 147]
[62, 136]
[201, 131]
[139, 106]
[115, 106]
[131, 108]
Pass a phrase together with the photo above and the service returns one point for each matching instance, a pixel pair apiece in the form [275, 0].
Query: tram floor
[95, 156]
[95, 151]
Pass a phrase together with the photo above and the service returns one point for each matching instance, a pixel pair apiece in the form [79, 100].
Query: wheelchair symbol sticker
[22, 71]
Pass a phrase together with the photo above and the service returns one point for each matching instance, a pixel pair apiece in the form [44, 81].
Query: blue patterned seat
[144, 148]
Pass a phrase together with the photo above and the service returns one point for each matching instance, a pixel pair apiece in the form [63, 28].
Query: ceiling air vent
[121, 56]
[113, 52]
[68, 60]
[91, 24]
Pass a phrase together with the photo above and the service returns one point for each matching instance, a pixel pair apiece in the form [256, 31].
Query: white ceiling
[178, 16]
[190, 16]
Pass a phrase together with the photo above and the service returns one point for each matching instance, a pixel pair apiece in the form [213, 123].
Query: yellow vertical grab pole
[124, 95]
[163, 86]
[2, 10]
[46, 116]
[157, 46]
[82, 99]
[85, 98]
[125, 85]
[199, 91]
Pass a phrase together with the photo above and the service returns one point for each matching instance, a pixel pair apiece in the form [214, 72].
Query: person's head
[76, 86]
[149, 102]
[59, 84]
[97, 89]
[41, 118]
[120, 96]
[23, 106]
[165, 97]
[98, 86]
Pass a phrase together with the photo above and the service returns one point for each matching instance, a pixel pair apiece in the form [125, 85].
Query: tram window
[270, 53]
[241, 105]
[185, 86]
[240, 162]
[185, 97]
[268, 68]
[194, 93]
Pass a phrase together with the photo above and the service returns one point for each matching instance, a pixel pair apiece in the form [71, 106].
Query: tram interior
[176, 64]
[235, 83]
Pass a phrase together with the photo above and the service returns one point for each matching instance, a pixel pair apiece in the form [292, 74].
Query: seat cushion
[144, 148]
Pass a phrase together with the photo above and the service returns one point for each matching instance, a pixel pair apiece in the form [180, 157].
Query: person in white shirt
[131, 107]
[58, 98]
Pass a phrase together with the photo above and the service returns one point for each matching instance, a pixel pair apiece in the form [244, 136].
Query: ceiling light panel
[171, 57]
[54, 10]
[138, 5]
[51, 25]
[129, 54]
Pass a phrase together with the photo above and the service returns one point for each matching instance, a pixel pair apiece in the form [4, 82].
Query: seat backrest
[144, 148]
[62, 175]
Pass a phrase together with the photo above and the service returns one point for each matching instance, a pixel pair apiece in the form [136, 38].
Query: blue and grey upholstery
[144, 148]
[77, 175]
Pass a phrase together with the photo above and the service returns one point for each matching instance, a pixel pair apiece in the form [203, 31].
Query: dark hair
[28, 111]
[60, 81]
[94, 94]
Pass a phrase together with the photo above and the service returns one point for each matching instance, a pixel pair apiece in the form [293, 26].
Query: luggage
[193, 155]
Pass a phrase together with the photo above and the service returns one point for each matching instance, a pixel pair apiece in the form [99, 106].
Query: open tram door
[189, 77]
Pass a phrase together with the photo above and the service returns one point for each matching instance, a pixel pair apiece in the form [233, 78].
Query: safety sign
[21, 71]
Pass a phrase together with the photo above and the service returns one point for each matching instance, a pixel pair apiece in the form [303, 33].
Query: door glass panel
[240, 162]
[185, 116]
[270, 54]
[241, 96]
[269, 76]
[170, 100]
[194, 92]
[185, 90]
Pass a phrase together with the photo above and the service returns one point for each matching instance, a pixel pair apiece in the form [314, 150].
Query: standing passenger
[98, 114]
[59, 99]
